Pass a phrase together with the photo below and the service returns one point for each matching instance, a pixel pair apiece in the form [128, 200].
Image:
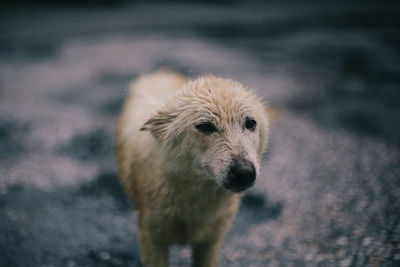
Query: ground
[329, 193]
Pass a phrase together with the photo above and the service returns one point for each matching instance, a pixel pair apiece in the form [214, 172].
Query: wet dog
[185, 150]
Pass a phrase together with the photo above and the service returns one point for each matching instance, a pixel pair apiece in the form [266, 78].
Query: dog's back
[146, 95]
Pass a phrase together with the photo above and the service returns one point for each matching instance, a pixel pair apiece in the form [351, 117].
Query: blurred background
[329, 193]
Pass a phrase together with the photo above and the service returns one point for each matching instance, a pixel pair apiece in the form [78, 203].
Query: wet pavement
[329, 193]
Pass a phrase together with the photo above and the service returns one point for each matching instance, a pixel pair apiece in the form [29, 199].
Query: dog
[185, 152]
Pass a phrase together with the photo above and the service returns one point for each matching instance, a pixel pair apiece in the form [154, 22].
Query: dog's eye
[251, 124]
[206, 127]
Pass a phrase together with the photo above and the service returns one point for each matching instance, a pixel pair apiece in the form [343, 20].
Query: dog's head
[213, 129]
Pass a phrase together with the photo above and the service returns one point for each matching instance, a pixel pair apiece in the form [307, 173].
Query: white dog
[185, 150]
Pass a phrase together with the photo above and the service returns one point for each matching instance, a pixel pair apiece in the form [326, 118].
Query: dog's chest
[193, 223]
[192, 217]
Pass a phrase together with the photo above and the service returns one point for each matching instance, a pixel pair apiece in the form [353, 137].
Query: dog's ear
[159, 124]
[272, 113]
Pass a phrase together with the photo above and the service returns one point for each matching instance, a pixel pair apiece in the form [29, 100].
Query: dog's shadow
[255, 208]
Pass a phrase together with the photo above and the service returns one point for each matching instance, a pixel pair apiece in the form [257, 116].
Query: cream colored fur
[173, 172]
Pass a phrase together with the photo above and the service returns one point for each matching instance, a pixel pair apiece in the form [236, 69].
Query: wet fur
[173, 172]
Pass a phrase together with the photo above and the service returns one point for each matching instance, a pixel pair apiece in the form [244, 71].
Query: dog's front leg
[153, 254]
[205, 253]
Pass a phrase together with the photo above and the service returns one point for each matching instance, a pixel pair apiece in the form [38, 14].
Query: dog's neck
[199, 198]
[197, 185]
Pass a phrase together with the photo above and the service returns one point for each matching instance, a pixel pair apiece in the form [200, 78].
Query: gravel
[329, 192]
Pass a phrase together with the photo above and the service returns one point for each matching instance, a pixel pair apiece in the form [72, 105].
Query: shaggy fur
[175, 173]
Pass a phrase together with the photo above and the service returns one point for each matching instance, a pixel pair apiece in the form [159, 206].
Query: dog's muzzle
[241, 175]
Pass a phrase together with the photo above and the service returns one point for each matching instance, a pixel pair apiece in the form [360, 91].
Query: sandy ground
[329, 193]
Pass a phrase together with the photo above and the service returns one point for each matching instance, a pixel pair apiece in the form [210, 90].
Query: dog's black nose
[241, 175]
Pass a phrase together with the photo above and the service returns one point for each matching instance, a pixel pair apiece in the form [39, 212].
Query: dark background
[329, 194]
